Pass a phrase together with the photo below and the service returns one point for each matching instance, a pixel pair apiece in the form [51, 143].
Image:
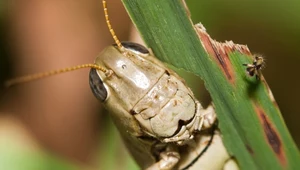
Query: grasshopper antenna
[112, 32]
[36, 76]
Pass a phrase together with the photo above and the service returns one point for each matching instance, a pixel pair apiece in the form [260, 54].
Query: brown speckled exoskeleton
[148, 102]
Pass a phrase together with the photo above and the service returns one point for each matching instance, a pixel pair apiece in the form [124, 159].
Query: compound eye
[97, 86]
[135, 47]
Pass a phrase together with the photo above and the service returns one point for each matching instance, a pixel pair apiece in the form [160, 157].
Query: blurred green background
[270, 28]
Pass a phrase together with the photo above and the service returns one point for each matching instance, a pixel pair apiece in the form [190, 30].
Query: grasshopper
[155, 112]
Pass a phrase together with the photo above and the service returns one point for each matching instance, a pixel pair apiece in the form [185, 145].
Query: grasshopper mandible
[155, 112]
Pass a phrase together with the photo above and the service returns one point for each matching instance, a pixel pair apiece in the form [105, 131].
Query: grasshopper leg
[168, 160]
[208, 116]
[204, 118]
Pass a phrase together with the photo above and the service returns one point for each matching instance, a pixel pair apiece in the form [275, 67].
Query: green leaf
[249, 118]
[15, 156]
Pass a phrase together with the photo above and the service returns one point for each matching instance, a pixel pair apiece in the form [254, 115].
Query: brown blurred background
[60, 117]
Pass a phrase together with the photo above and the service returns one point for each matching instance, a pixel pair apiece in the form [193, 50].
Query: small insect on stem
[255, 67]
[37, 76]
